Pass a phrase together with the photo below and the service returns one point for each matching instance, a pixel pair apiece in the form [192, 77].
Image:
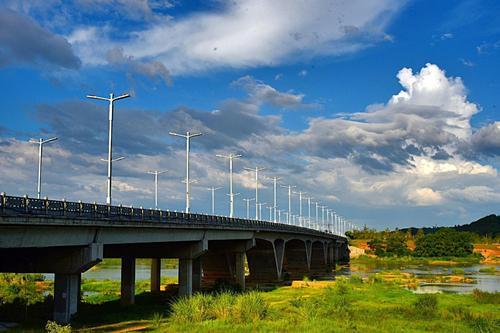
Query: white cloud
[252, 33]
[425, 196]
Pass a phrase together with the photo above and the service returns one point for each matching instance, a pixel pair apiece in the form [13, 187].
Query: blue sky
[319, 92]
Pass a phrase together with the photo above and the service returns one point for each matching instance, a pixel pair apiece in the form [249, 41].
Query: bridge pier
[197, 274]
[66, 296]
[185, 277]
[155, 275]
[127, 296]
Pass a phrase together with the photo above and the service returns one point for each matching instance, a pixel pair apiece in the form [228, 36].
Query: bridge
[67, 238]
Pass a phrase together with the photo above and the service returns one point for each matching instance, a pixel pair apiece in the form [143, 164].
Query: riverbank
[345, 305]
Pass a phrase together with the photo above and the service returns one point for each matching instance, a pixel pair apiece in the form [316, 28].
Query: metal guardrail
[13, 206]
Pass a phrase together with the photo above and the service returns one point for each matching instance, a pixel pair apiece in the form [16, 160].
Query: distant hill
[488, 225]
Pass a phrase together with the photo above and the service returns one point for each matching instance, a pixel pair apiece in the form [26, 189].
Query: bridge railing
[14, 206]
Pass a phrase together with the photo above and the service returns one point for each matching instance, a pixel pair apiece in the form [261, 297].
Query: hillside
[488, 225]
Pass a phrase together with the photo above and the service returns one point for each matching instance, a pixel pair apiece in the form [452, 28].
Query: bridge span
[68, 238]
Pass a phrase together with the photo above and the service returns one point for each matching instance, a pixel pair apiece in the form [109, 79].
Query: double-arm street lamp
[230, 157]
[256, 170]
[188, 137]
[156, 173]
[40, 143]
[110, 160]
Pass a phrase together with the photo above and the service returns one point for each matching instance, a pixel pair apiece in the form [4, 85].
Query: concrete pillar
[128, 281]
[185, 277]
[197, 274]
[66, 295]
[155, 275]
[240, 269]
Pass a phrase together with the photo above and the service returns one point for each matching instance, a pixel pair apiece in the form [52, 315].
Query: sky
[386, 111]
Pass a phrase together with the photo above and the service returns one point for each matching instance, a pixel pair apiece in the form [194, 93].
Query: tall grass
[426, 305]
[484, 297]
[224, 306]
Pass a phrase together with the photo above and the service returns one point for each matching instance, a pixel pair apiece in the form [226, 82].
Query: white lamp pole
[256, 169]
[156, 173]
[289, 187]
[40, 143]
[275, 195]
[247, 200]
[110, 160]
[300, 205]
[230, 157]
[188, 137]
[260, 210]
[309, 211]
[213, 189]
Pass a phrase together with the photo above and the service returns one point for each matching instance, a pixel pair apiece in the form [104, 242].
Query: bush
[192, 309]
[222, 305]
[157, 319]
[484, 297]
[249, 307]
[426, 304]
[445, 242]
[53, 327]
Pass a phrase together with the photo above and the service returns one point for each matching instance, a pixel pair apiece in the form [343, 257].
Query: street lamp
[275, 182]
[256, 169]
[289, 187]
[247, 200]
[40, 143]
[230, 157]
[309, 211]
[213, 189]
[110, 160]
[300, 205]
[260, 204]
[188, 137]
[156, 173]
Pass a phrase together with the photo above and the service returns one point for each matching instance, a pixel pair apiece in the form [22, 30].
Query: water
[113, 272]
[484, 281]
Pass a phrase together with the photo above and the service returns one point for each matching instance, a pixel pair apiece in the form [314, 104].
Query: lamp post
[40, 143]
[247, 200]
[275, 184]
[110, 160]
[289, 187]
[256, 169]
[260, 209]
[309, 211]
[300, 205]
[230, 157]
[270, 212]
[213, 189]
[156, 173]
[316, 217]
[188, 138]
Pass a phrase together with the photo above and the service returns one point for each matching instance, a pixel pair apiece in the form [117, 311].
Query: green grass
[368, 262]
[350, 305]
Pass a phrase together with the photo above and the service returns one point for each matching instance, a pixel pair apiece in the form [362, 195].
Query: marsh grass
[426, 305]
[484, 297]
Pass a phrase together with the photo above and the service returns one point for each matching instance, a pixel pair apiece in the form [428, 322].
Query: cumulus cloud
[430, 116]
[245, 34]
[425, 196]
[22, 40]
[487, 140]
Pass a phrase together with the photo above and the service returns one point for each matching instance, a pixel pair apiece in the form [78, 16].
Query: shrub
[443, 243]
[484, 297]
[426, 304]
[53, 327]
[157, 319]
[192, 309]
[249, 307]
[222, 305]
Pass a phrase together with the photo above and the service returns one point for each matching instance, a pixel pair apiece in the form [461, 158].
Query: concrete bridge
[68, 238]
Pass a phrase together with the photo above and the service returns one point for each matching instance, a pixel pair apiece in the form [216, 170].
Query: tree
[445, 242]
[396, 244]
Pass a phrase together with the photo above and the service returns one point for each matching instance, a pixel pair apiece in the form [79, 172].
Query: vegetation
[444, 242]
[347, 305]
